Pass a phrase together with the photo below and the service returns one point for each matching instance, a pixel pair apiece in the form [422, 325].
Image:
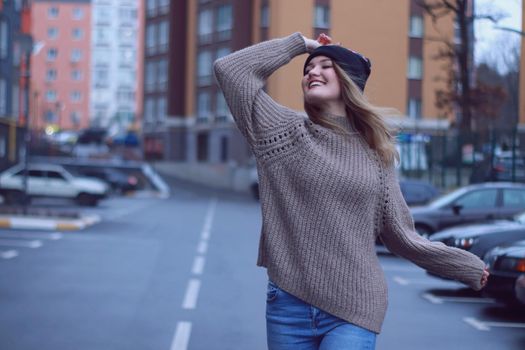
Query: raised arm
[401, 238]
[242, 75]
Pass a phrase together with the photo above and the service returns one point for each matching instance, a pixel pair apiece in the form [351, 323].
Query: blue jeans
[292, 324]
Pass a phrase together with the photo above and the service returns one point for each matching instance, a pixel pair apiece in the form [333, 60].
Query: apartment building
[11, 67]
[194, 125]
[116, 67]
[60, 64]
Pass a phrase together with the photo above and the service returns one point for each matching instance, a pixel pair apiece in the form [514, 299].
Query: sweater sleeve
[242, 76]
[400, 237]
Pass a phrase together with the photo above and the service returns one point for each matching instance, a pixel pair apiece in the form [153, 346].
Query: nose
[313, 71]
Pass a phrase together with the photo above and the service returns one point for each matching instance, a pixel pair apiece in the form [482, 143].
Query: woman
[328, 190]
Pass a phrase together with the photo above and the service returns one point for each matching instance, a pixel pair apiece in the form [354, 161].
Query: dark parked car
[470, 204]
[480, 238]
[119, 181]
[519, 289]
[417, 192]
[506, 263]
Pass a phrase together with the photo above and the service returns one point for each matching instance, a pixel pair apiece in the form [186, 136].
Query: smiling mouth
[315, 83]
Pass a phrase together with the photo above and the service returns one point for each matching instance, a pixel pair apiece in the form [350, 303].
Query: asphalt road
[180, 273]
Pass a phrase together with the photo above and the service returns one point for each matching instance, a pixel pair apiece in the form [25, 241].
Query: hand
[311, 44]
[485, 278]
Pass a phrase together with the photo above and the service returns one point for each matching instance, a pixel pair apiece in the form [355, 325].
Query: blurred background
[120, 165]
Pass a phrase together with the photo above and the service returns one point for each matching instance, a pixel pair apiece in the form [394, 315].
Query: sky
[492, 43]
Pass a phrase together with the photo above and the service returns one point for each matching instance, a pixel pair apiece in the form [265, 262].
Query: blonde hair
[366, 118]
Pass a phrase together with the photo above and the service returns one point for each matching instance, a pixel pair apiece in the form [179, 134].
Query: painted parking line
[192, 294]
[32, 235]
[202, 248]
[487, 325]
[20, 243]
[421, 281]
[8, 254]
[182, 336]
[440, 300]
[198, 265]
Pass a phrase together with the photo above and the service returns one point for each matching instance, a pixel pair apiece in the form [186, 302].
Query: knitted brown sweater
[325, 197]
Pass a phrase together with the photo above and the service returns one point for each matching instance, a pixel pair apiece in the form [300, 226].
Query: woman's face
[320, 83]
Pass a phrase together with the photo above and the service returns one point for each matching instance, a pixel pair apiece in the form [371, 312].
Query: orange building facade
[60, 65]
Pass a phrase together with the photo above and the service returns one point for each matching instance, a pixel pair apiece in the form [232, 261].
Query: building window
[103, 14]
[164, 6]
[77, 33]
[223, 51]
[127, 57]
[4, 37]
[103, 35]
[78, 13]
[52, 12]
[265, 16]
[51, 75]
[127, 14]
[322, 17]
[76, 75]
[203, 106]
[150, 76]
[163, 36]
[15, 97]
[416, 29]
[3, 97]
[205, 26]
[51, 95]
[101, 77]
[224, 149]
[52, 33]
[204, 64]
[75, 118]
[151, 8]
[222, 110]
[224, 22]
[102, 57]
[76, 55]
[149, 109]
[151, 38]
[75, 96]
[415, 68]
[162, 74]
[161, 108]
[52, 53]
[414, 108]
[126, 78]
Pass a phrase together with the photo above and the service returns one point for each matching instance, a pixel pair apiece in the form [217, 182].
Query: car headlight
[511, 264]
[465, 243]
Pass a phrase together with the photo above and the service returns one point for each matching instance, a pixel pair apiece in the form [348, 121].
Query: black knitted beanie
[354, 64]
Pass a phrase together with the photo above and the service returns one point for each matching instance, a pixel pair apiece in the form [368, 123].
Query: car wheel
[87, 199]
[424, 230]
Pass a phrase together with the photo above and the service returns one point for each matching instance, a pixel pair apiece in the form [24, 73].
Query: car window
[478, 199]
[36, 173]
[514, 198]
[54, 175]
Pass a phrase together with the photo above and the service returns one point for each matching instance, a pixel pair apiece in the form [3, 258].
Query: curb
[47, 224]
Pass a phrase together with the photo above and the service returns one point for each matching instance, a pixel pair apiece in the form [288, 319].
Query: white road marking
[402, 269]
[421, 281]
[198, 265]
[9, 254]
[20, 243]
[192, 294]
[208, 220]
[30, 235]
[480, 326]
[439, 300]
[202, 247]
[182, 336]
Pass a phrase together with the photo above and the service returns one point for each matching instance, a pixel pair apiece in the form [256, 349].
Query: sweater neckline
[342, 121]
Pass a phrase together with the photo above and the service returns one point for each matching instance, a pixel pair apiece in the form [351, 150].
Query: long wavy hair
[364, 117]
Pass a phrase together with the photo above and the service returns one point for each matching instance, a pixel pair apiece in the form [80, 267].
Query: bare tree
[461, 93]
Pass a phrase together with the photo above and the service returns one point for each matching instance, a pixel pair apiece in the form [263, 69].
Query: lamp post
[26, 44]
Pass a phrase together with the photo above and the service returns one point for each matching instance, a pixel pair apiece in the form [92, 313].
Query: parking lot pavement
[15, 243]
[431, 313]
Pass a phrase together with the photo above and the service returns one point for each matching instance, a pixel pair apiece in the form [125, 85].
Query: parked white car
[49, 180]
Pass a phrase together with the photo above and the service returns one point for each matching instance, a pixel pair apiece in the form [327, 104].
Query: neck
[334, 109]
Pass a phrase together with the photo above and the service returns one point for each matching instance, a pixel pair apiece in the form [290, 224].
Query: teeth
[315, 83]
